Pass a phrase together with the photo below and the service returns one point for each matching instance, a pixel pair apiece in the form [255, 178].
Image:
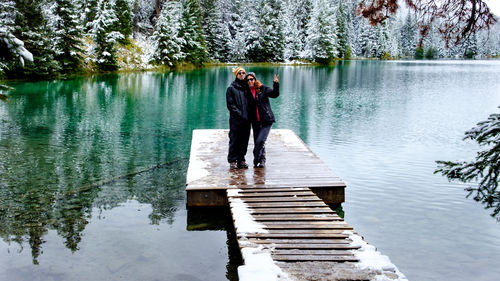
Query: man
[239, 124]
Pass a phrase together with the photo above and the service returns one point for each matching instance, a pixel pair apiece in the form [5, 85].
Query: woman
[261, 115]
[237, 96]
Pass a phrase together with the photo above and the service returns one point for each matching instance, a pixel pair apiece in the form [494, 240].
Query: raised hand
[276, 77]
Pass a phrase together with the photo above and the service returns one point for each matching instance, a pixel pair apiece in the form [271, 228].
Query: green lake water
[68, 213]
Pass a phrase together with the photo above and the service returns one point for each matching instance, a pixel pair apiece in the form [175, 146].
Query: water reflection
[68, 147]
[218, 218]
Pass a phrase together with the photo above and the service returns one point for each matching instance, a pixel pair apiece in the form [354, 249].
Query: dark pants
[260, 133]
[239, 133]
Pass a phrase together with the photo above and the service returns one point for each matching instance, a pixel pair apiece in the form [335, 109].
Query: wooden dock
[284, 228]
[290, 163]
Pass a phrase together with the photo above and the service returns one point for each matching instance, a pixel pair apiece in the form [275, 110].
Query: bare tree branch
[458, 19]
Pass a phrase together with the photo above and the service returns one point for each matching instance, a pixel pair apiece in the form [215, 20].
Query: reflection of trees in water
[71, 134]
[27, 215]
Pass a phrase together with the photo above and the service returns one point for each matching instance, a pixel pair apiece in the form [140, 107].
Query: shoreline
[190, 67]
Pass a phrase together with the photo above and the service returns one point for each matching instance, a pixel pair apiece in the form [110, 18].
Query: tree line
[51, 37]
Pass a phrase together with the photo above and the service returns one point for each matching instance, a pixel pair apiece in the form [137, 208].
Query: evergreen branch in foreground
[484, 170]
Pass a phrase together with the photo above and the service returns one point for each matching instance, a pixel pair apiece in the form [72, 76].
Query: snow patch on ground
[259, 265]
[370, 258]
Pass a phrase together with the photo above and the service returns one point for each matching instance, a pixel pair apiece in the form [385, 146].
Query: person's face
[241, 75]
[251, 81]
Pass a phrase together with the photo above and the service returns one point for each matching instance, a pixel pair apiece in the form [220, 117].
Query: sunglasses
[251, 79]
[241, 72]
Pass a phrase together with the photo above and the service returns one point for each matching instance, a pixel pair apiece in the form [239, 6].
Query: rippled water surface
[93, 169]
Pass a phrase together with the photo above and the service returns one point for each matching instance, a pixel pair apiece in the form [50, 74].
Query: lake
[93, 168]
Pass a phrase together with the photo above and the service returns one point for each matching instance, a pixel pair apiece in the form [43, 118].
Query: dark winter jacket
[262, 102]
[237, 100]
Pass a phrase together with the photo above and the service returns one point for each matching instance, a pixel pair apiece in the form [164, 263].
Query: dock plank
[298, 258]
[298, 242]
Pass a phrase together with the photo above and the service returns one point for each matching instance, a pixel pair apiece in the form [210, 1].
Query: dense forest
[53, 37]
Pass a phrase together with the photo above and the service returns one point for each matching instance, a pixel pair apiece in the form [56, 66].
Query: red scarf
[252, 89]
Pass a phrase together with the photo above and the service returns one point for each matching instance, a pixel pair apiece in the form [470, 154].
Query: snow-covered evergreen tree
[252, 30]
[238, 22]
[321, 41]
[89, 12]
[169, 44]
[353, 31]
[292, 29]
[67, 32]
[31, 28]
[470, 48]
[142, 12]
[11, 48]
[217, 34]
[434, 44]
[489, 42]
[124, 23]
[192, 33]
[408, 36]
[342, 30]
[263, 31]
[387, 46]
[272, 38]
[296, 15]
[103, 32]
[367, 39]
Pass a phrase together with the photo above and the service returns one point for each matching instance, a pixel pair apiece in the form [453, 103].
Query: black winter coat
[262, 102]
[237, 101]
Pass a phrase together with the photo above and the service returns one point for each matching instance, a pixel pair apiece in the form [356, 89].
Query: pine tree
[341, 30]
[321, 41]
[354, 39]
[434, 44]
[192, 33]
[89, 12]
[304, 16]
[489, 42]
[408, 36]
[367, 40]
[238, 22]
[67, 32]
[217, 34]
[31, 28]
[12, 49]
[383, 47]
[350, 25]
[470, 47]
[124, 23]
[210, 23]
[273, 39]
[105, 36]
[168, 51]
[253, 30]
[293, 35]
